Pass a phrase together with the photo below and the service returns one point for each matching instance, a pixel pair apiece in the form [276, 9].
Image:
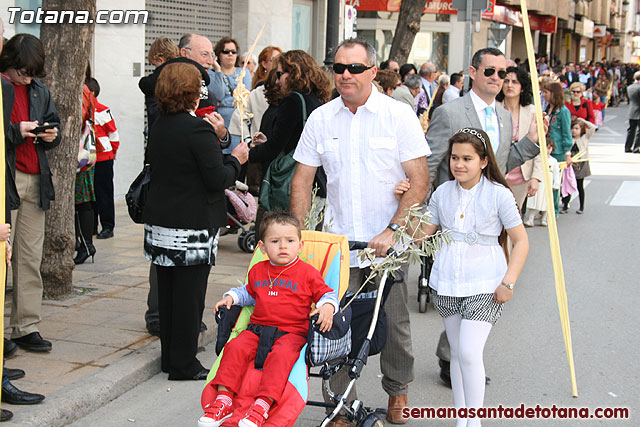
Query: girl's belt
[473, 238]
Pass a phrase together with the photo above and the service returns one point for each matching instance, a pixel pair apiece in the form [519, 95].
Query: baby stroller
[241, 211]
[367, 336]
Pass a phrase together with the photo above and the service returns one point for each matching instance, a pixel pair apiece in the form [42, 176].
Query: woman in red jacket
[578, 106]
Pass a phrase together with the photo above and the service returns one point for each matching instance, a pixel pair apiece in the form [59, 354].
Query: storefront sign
[431, 6]
[599, 30]
[513, 16]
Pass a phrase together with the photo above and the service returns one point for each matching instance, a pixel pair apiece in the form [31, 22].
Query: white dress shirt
[362, 154]
[480, 105]
[428, 87]
[462, 269]
[450, 94]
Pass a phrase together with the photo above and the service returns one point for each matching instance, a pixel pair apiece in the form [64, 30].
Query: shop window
[302, 25]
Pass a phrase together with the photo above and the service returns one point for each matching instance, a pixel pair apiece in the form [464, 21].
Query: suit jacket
[633, 92]
[403, 94]
[460, 113]
[531, 168]
[188, 174]
[572, 77]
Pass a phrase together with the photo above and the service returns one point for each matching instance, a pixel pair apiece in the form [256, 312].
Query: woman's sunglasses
[227, 52]
[353, 68]
[488, 72]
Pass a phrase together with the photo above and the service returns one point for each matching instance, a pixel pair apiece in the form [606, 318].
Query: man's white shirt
[450, 94]
[362, 154]
[479, 105]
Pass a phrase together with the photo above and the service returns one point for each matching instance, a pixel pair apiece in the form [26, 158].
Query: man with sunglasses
[477, 109]
[366, 142]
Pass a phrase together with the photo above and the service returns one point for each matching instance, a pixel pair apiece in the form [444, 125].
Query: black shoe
[636, 150]
[106, 233]
[13, 374]
[202, 375]
[14, 396]
[154, 328]
[84, 253]
[6, 415]
[10, 348]
[445, 374]
[33, 342]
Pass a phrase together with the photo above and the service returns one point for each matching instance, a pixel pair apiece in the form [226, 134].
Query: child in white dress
[538, 202]
[471, 278]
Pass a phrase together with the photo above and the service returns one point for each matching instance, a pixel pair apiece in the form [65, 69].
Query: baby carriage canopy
[329, 254]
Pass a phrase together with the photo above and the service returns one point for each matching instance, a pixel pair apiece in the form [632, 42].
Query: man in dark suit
[570, 74]
[633, 93]
[477, 109]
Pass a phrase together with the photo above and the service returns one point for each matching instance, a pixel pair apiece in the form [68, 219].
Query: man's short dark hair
[455, 78]
[371, 51]
[24, 53]
[477, 57]
[278, 217]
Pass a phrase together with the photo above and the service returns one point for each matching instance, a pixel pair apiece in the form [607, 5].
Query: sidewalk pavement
[101, 347]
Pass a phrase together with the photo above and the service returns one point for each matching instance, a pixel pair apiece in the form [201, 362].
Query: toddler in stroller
[275, 336]
[342, 346]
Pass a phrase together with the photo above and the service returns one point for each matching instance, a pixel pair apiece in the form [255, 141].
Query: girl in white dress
[471, 278]
[538, 202]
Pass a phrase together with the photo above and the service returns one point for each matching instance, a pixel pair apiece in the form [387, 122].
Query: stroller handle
[355, 245]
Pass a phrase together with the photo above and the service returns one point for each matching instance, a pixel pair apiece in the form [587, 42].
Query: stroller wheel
[423, 299]
[247, 241]
[250, 241]
[371, 420]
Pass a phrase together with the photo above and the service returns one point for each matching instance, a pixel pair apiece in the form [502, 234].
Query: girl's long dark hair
[492, 172]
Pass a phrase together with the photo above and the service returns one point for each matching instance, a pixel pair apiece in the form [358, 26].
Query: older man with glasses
[367, 142]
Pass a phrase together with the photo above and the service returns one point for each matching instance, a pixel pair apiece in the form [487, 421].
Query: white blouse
[473, 263]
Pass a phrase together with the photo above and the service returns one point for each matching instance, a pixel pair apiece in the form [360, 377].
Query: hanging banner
[431, 6]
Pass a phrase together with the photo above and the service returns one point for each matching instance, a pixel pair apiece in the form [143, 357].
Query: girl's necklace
[279, 274]
[465, 206]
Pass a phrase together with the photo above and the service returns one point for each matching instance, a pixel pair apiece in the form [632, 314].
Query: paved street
[525, 355]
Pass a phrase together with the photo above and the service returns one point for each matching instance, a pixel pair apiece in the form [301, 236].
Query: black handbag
[136, 197]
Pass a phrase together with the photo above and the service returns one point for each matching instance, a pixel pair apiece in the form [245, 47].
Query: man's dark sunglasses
[488, 72]
[227, 51]
[353, 68]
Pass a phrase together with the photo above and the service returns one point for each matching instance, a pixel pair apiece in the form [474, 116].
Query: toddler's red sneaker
[256, 416]
[215, 413]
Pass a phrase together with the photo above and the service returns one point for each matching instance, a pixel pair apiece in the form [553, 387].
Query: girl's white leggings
[467, 339]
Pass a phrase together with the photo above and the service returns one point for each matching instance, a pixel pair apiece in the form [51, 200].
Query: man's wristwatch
[508, 285]
[393, 226]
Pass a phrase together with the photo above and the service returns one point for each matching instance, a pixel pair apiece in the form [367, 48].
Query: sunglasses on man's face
[352, 68]
[227, 52]
[488, 72]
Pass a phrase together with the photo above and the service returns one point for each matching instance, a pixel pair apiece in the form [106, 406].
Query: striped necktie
[490, 128]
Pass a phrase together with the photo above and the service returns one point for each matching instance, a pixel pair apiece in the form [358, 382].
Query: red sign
[513, 16]
[431, 6]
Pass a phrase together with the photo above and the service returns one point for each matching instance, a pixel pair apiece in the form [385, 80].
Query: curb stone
[84, 396]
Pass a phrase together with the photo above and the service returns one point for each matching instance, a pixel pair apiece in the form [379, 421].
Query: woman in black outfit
[295, 71]
[184, 209]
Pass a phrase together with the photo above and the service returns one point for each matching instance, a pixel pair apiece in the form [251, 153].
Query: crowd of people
[371, 141]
